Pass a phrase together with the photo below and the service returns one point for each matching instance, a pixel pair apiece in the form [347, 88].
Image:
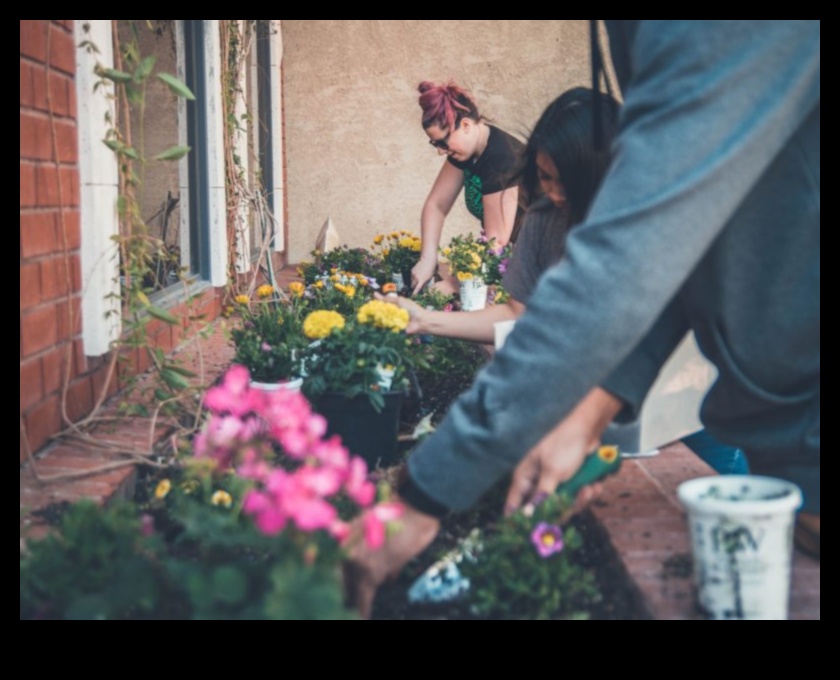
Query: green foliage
[204, 560]
[350, 361]
[99, 567]
[470, 257]
[343, 258]
[268, 339]
[399, 250]
[509, 579]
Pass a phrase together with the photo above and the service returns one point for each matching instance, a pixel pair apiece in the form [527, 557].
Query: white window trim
[218, 274]
[99, 191]
[276, 59]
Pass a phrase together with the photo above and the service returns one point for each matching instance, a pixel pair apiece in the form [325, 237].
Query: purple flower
[265, 347]
[547, 539]
[503, 265]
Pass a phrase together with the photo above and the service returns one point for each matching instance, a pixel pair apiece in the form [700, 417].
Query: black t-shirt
[497, 168]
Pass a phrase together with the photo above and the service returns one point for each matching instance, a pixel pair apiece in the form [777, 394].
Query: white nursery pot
[742, 543]
[473, 294]
[293, 385]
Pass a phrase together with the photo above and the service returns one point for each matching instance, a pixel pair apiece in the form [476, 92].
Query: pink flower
[357, 486]
[234, 395]
[375, 520]
[147, 525]
[547, 539]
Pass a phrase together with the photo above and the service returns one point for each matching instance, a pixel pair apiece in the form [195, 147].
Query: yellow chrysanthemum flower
[319, 284]
[349, 291]
[265, 291]
[296, 288]
[222, 498]
[242, 299]
[464, 276]
[378, 239]
[476, 261]
[321, 323]
[447, 251]
[383, 315]
[162, 489]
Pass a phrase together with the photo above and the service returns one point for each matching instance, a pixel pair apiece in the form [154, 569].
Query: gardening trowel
[443, 581]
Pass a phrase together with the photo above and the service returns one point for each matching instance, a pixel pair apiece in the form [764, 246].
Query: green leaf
[145, 68]
[163, 315]
[143, 298]
[178, 87]
[161, 394]
[173, 153]
[112, 144]
[181, 370]
[130, 152]
[174, 380]
[116, 76]
[230, 585]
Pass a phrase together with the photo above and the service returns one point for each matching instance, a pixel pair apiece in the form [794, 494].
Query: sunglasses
[443, 142]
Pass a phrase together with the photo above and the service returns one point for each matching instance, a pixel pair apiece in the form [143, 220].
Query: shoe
[806, 534]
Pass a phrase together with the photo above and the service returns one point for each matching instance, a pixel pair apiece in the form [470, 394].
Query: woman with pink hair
[480, 158]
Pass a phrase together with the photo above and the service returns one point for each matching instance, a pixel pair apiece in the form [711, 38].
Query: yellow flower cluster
[242, 299]
[296, 288]
[464, 276]
[383, 315]
[402, 238]
[349, 291]
[265, 291]
[321, 323]
[410, 243]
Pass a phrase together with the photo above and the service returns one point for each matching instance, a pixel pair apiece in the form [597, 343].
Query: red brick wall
[49, 229]
[50, 239]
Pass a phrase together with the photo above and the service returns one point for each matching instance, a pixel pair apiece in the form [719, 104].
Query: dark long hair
[564, 132]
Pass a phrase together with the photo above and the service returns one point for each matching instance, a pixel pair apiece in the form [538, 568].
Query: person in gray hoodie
[708, 219]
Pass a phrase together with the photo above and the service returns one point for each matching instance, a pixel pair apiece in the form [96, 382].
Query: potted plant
[268, 339]
[357, 373]
[477, 262]
[400, 251]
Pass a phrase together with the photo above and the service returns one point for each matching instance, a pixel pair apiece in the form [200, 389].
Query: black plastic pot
[366, 433]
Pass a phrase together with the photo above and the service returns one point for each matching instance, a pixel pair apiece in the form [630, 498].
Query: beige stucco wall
[355, 150]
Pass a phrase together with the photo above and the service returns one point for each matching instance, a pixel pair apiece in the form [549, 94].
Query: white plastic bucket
[742, 544]
[473, 294]
[291, 385]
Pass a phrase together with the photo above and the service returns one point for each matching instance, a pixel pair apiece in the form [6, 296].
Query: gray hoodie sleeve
[710, 104]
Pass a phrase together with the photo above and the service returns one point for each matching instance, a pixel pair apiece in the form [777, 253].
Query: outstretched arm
[439, 202]
[710, 107]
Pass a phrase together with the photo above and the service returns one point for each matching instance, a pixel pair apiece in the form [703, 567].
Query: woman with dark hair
[480, 158]
[562, 172]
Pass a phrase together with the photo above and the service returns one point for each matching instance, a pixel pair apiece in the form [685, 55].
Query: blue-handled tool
[443, 581]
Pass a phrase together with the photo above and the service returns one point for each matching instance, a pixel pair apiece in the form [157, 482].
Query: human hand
[553, 460]
[446, 286]
[416, 312]
[422, 272]
[366, 569]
